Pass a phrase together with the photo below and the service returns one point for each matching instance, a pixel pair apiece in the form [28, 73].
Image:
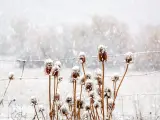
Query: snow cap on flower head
[108, 92]
[129, 57]
[88, 75]
[48, 61]
[33, 100]
[82, 57]
[64, 110]
[41, 108]
[75, 72]
[48, 66]
[58, 63]
[55, 70]
[11, 75]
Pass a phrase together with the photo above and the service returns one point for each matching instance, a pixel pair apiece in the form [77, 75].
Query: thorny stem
[1, 102]
[36, 114]
[103, 88]
[118, 89]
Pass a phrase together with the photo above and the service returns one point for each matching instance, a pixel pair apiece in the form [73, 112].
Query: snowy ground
[22, 90]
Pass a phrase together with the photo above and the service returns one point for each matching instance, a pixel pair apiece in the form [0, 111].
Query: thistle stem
[49, 91]
[103, 89]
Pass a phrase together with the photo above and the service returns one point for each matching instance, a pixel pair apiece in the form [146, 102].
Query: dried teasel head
[55, 71]
[11, 76]
[115, 77]
[75, 72]
[41, 108]
[48, 66]
[88, 75]
[34, 100]
[82, 57]
[102, 53]
[89, 85]
[58, 63]
[96, 104]
[129, 57]
[98, 76]
[87, 106]
[69, 99]
[80, 104]
[108, 93]
[64, 110]
[60, 78]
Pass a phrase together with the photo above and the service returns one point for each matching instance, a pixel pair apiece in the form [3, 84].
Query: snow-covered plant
[89, 86]
[41, 108]
[115, 77]
[82, 57]
[11, 75]
[75, 72]
[129, 57]
[55, 70]
[34, 100]
[102, 53]
[48, 66]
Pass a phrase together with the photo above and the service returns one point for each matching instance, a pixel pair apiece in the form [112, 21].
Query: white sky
[135, 13]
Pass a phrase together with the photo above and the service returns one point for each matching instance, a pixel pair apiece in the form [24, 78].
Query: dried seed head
[11, 76]
[96, 104]
[82, 57]
[33, 100]
[98, 76]
[48, 66]
[57, 97]
[92, 94]
[102, 53]
[82, 80]
[41, 108]
[107, 92]
[88, 75]
[89, 85]
[80, 104]
[129, 57]
[98, 90]
[64, 110]
[69, 99]
[58, 63]
[55, 71]
[60, 78]
[115, 77]
[87, 106]
[75, 72]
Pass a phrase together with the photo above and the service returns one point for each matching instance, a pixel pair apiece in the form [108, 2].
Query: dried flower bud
[48, 66]
[75, 72]
[129, 57]
[64, 110]
[107, 92]
[69, 99]
[58, 63]
[41, 108]
[80, 104]
[89, 85]
[11, 76]
[87, 106]
[102, 53]
[96, 104]
[82, 57]
[33, 100]
[115, 77]
[55, 71]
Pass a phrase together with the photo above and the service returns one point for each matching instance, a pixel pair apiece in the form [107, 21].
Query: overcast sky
[135, 13]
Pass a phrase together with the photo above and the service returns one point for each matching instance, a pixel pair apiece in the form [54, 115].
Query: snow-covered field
[23, 89]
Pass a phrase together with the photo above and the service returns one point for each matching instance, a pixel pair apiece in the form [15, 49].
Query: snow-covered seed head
[129, 57]
[98, 90]
[55, 71]
[92, 94]
[64, 110]
[96, 104]
[82, 80]
[110, 104]
[80, 104]
[115, 77]
[60, 78]
[89, 85]
[75, 72]
[41, 108]
[102, 53]
[69, 99]
[58, 63]
[33, 100]
[11, 75]
[87, 106]
[108, 92]
[88, 75]
[82, 57]
[48, 66]
[106, 118]
[98, 76]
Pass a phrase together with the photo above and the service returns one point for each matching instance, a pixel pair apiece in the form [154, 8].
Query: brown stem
[74, 99]
[93, 112]
[97, 114]
[49, 91]
[107, 105]
[103, 88]
[36, 112]
[118, 89]
[66, 117]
